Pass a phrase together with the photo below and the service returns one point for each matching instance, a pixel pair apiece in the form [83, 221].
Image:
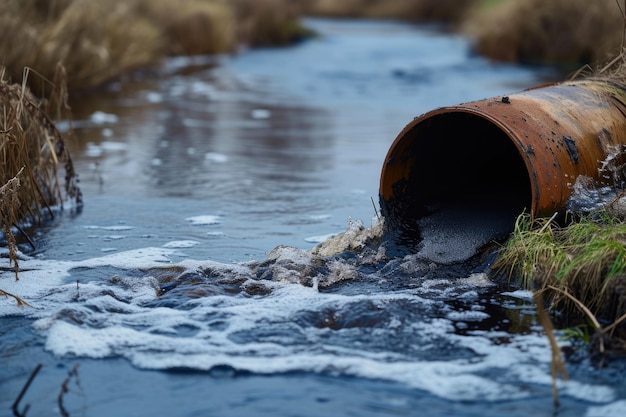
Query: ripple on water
[459, 339]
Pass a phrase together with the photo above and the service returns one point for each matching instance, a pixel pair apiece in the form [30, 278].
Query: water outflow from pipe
[456, 177]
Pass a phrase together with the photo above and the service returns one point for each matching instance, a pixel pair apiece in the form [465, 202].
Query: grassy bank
[99, 41]
[568, 33]
[580, 271]
[443, 11]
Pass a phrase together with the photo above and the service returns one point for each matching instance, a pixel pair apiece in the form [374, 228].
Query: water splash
[340, 309]
[589, 196]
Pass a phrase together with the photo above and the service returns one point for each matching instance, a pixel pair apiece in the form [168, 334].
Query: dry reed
[268, 22]
[95, 41]
[443, 11]
[567, 32]
[99, 41]
[32, 151]
[190, 27]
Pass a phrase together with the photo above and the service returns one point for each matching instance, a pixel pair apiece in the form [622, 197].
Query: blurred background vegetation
[99, 41]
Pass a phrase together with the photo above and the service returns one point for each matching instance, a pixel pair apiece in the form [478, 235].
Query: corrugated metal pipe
[490, 160]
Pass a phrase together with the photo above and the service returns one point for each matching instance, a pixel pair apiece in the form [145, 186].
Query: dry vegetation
[97, 41]
[32, 150]
[568, 33]
[565, 32]
[30, 141]
[445, 11]
[268, 22]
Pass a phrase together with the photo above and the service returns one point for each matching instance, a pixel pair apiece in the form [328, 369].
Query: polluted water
[251, 285]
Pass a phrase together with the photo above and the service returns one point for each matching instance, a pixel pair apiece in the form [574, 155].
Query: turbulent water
[228, 262]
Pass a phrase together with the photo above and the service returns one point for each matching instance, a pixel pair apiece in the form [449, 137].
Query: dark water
[192, 179]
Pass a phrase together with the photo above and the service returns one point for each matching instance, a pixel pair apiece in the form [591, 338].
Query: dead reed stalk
[32, 151]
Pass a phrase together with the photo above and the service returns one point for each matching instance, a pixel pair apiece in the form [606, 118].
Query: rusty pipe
[516, 153]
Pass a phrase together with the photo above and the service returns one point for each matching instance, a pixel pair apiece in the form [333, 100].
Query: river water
[187, 286]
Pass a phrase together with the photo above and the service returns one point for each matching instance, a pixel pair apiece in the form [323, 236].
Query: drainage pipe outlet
[456, 177]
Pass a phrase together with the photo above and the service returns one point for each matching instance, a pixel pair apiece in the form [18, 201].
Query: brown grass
[32, 150]
[268, 22]
[570, 32]
[445, 11]
[97, 41]
[190, 27]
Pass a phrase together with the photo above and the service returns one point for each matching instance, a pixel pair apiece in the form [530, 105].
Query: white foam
[100, 117]
[260, 114]
[93, 150]
[355, 238]
[521, 294]
[320, 238]
[115, 237]
[181, 244]
[616, 409]
[467, 315]
[118, 228]
[205, 220]
[215, 234]
[111, 146]
[215, 157]
[319, 217]
[272, 331]
[154, 97]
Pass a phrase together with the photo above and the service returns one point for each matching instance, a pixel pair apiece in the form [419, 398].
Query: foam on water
[181, 244]
[283, 314]
[205, 220]
[100, 117]
[616, 409]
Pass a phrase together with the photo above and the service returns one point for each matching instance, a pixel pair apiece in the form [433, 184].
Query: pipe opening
[453, 182]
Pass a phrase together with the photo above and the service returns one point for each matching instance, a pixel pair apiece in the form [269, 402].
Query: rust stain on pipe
[522, 152]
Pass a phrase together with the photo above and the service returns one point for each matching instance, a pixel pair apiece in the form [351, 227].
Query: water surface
[186, 285]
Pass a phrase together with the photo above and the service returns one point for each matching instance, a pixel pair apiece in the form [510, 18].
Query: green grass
[488, 4]
[586, 259]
